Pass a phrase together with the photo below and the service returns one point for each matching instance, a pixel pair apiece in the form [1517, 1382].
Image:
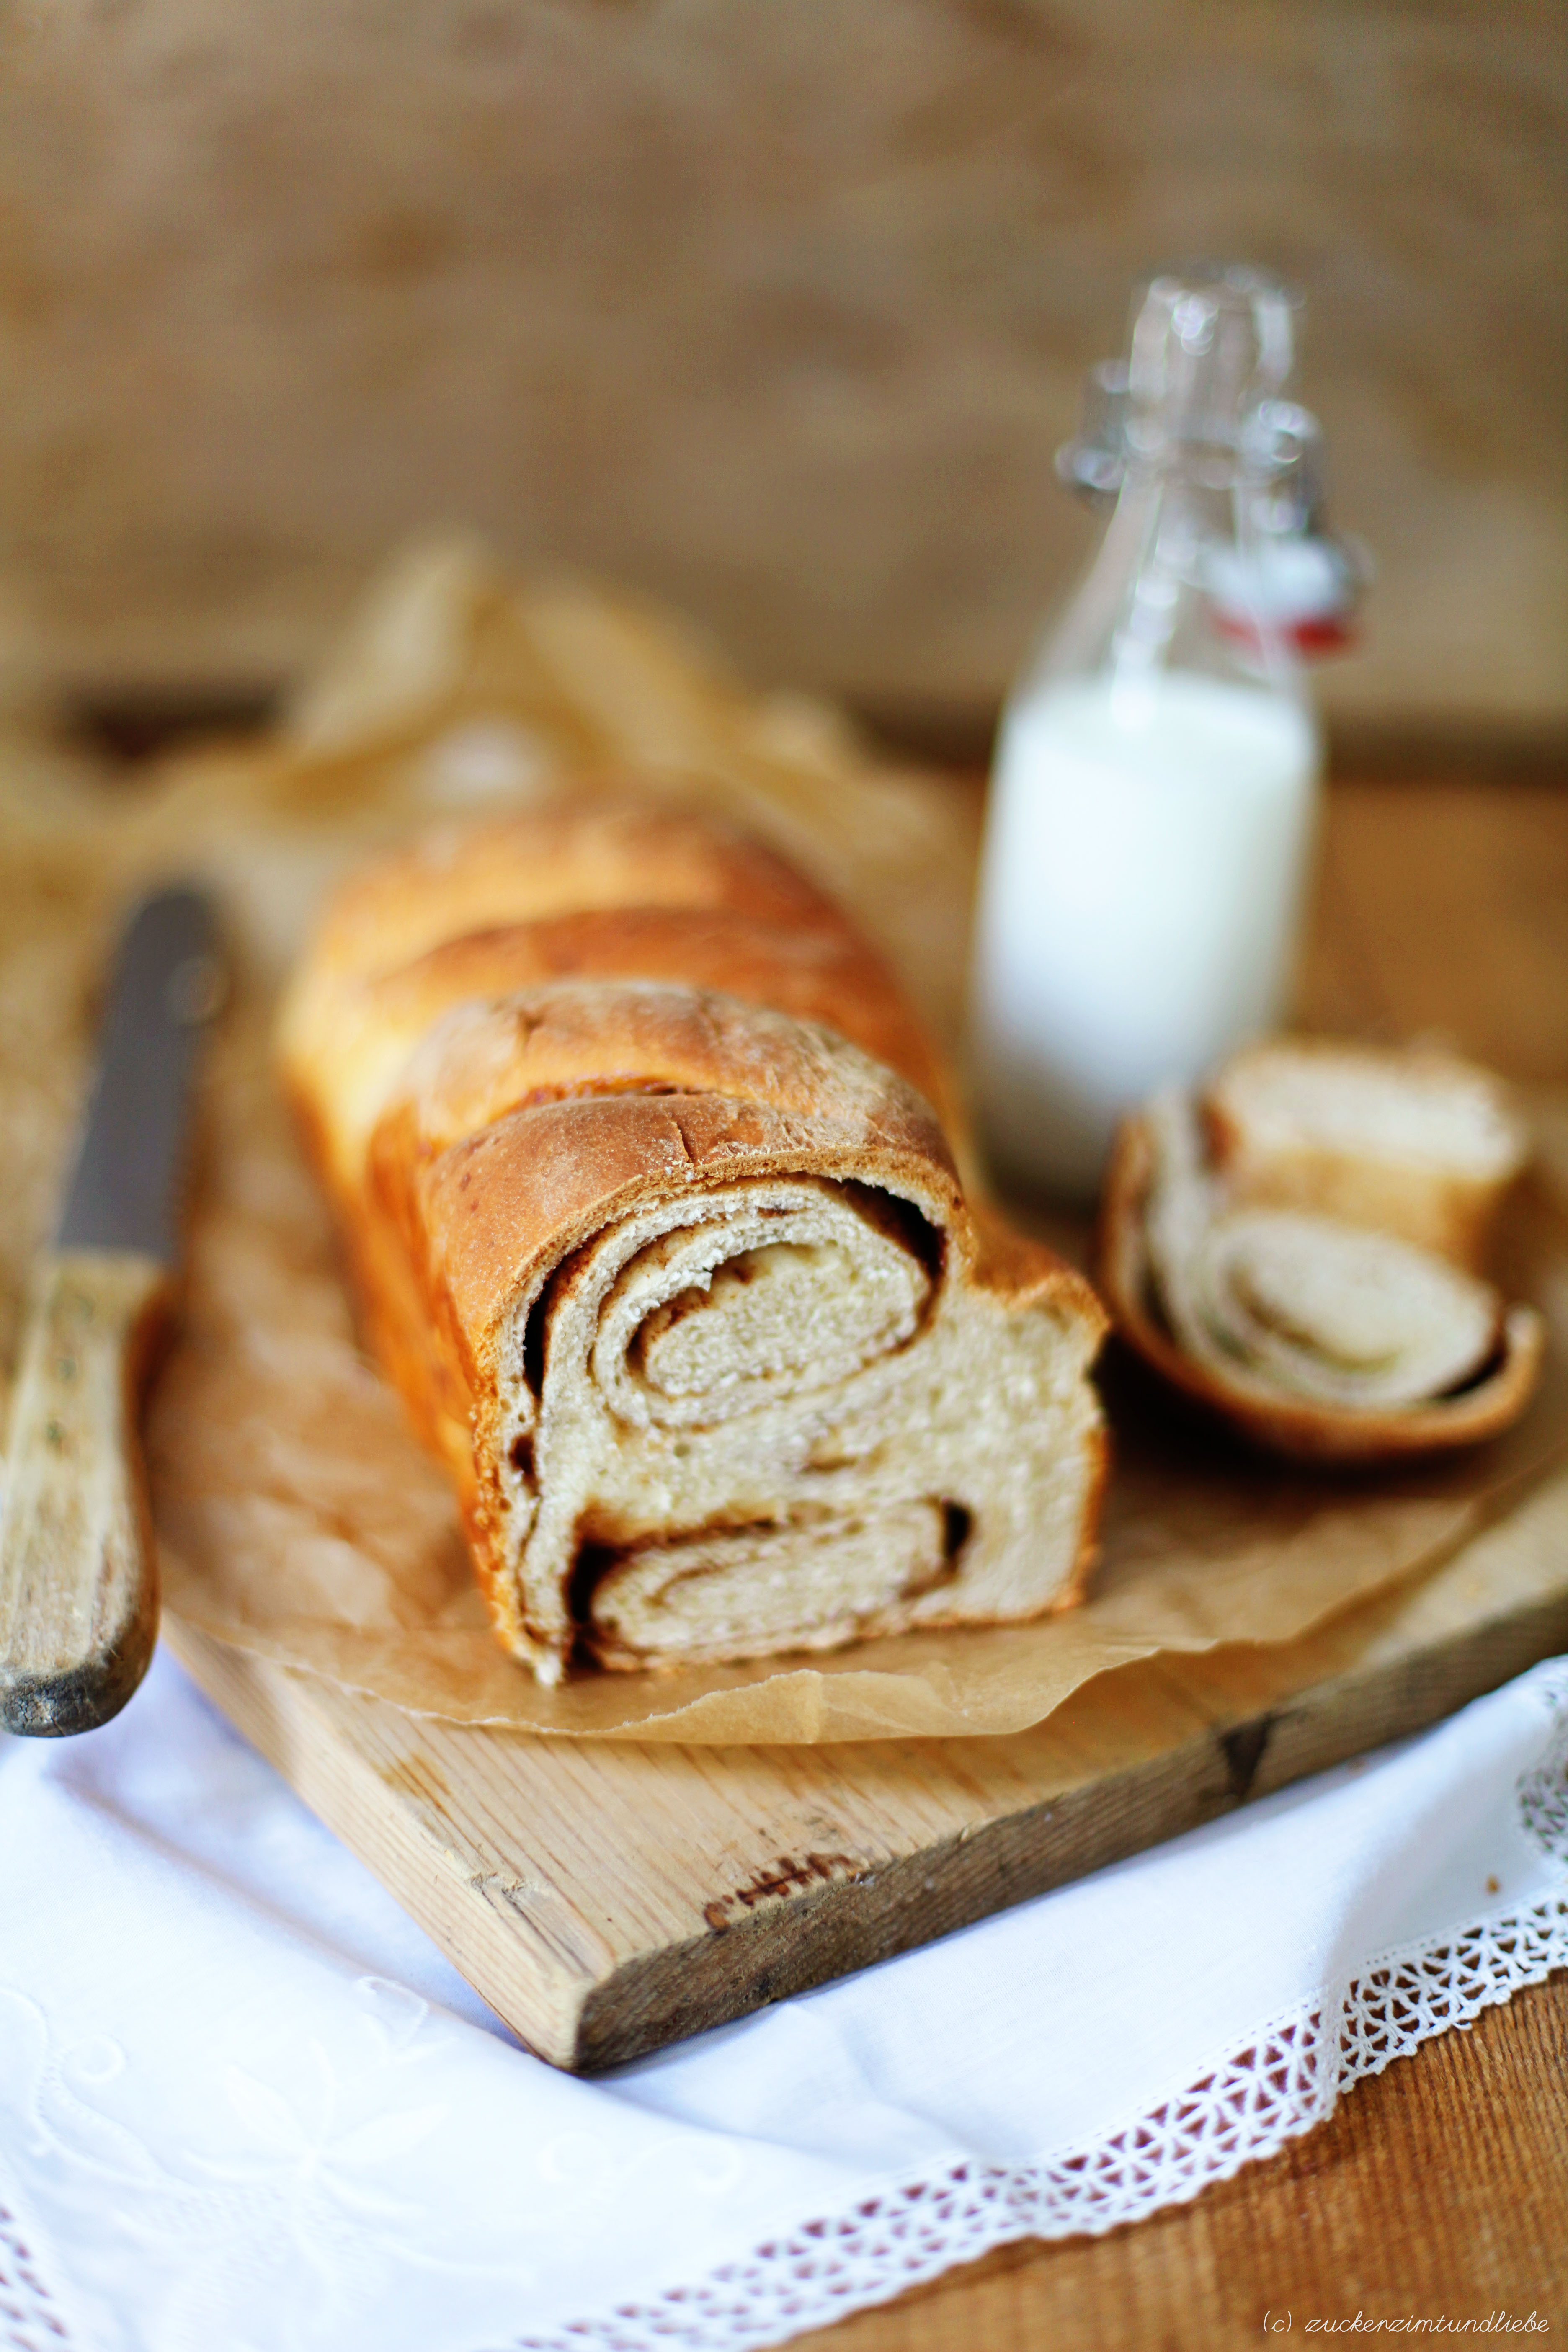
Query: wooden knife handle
[79, 1579]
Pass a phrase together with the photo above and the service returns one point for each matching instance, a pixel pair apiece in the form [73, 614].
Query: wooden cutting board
[607, 1898]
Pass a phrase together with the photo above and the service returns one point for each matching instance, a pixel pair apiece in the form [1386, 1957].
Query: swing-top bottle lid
[1210, 346]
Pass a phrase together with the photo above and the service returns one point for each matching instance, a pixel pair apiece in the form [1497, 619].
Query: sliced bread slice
[1418, 1144]
[1318, 1337]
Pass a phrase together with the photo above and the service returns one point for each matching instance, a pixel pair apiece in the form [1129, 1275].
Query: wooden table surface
[1440, 2189]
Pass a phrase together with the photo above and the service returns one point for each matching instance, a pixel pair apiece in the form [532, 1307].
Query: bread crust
[1306, 1431]
[562, 858]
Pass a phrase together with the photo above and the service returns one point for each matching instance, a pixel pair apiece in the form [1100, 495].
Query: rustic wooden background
[777, 310]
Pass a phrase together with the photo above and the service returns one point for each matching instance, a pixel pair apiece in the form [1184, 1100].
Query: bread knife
[78, 1584]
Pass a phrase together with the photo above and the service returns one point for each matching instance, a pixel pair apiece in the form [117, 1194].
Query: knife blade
[79, 1592]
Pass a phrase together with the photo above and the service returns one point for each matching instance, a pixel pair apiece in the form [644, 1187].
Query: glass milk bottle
[1151, 819]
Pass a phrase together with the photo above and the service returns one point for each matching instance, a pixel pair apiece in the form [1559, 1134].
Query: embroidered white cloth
[245, 2103]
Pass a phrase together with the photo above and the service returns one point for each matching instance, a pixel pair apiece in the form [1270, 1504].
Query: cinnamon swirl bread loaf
[635, 1146]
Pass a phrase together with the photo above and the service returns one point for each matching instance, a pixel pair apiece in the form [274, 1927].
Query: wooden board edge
[800, 1937]
[806, 1938]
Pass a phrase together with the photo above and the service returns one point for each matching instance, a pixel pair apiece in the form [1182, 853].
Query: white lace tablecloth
[243, 2102]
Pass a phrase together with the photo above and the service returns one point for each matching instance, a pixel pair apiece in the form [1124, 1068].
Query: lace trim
[1279, 2085]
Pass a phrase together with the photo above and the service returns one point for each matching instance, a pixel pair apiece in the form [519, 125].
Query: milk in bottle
[1149, 832]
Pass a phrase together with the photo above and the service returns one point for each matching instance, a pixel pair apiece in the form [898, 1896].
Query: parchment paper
[297, 1516]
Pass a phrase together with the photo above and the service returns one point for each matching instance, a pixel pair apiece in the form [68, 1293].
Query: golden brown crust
[705, 907]
[815, 969]
[1306, 1431]
[490, 1056]
[562, 858]
[1026, 1272]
